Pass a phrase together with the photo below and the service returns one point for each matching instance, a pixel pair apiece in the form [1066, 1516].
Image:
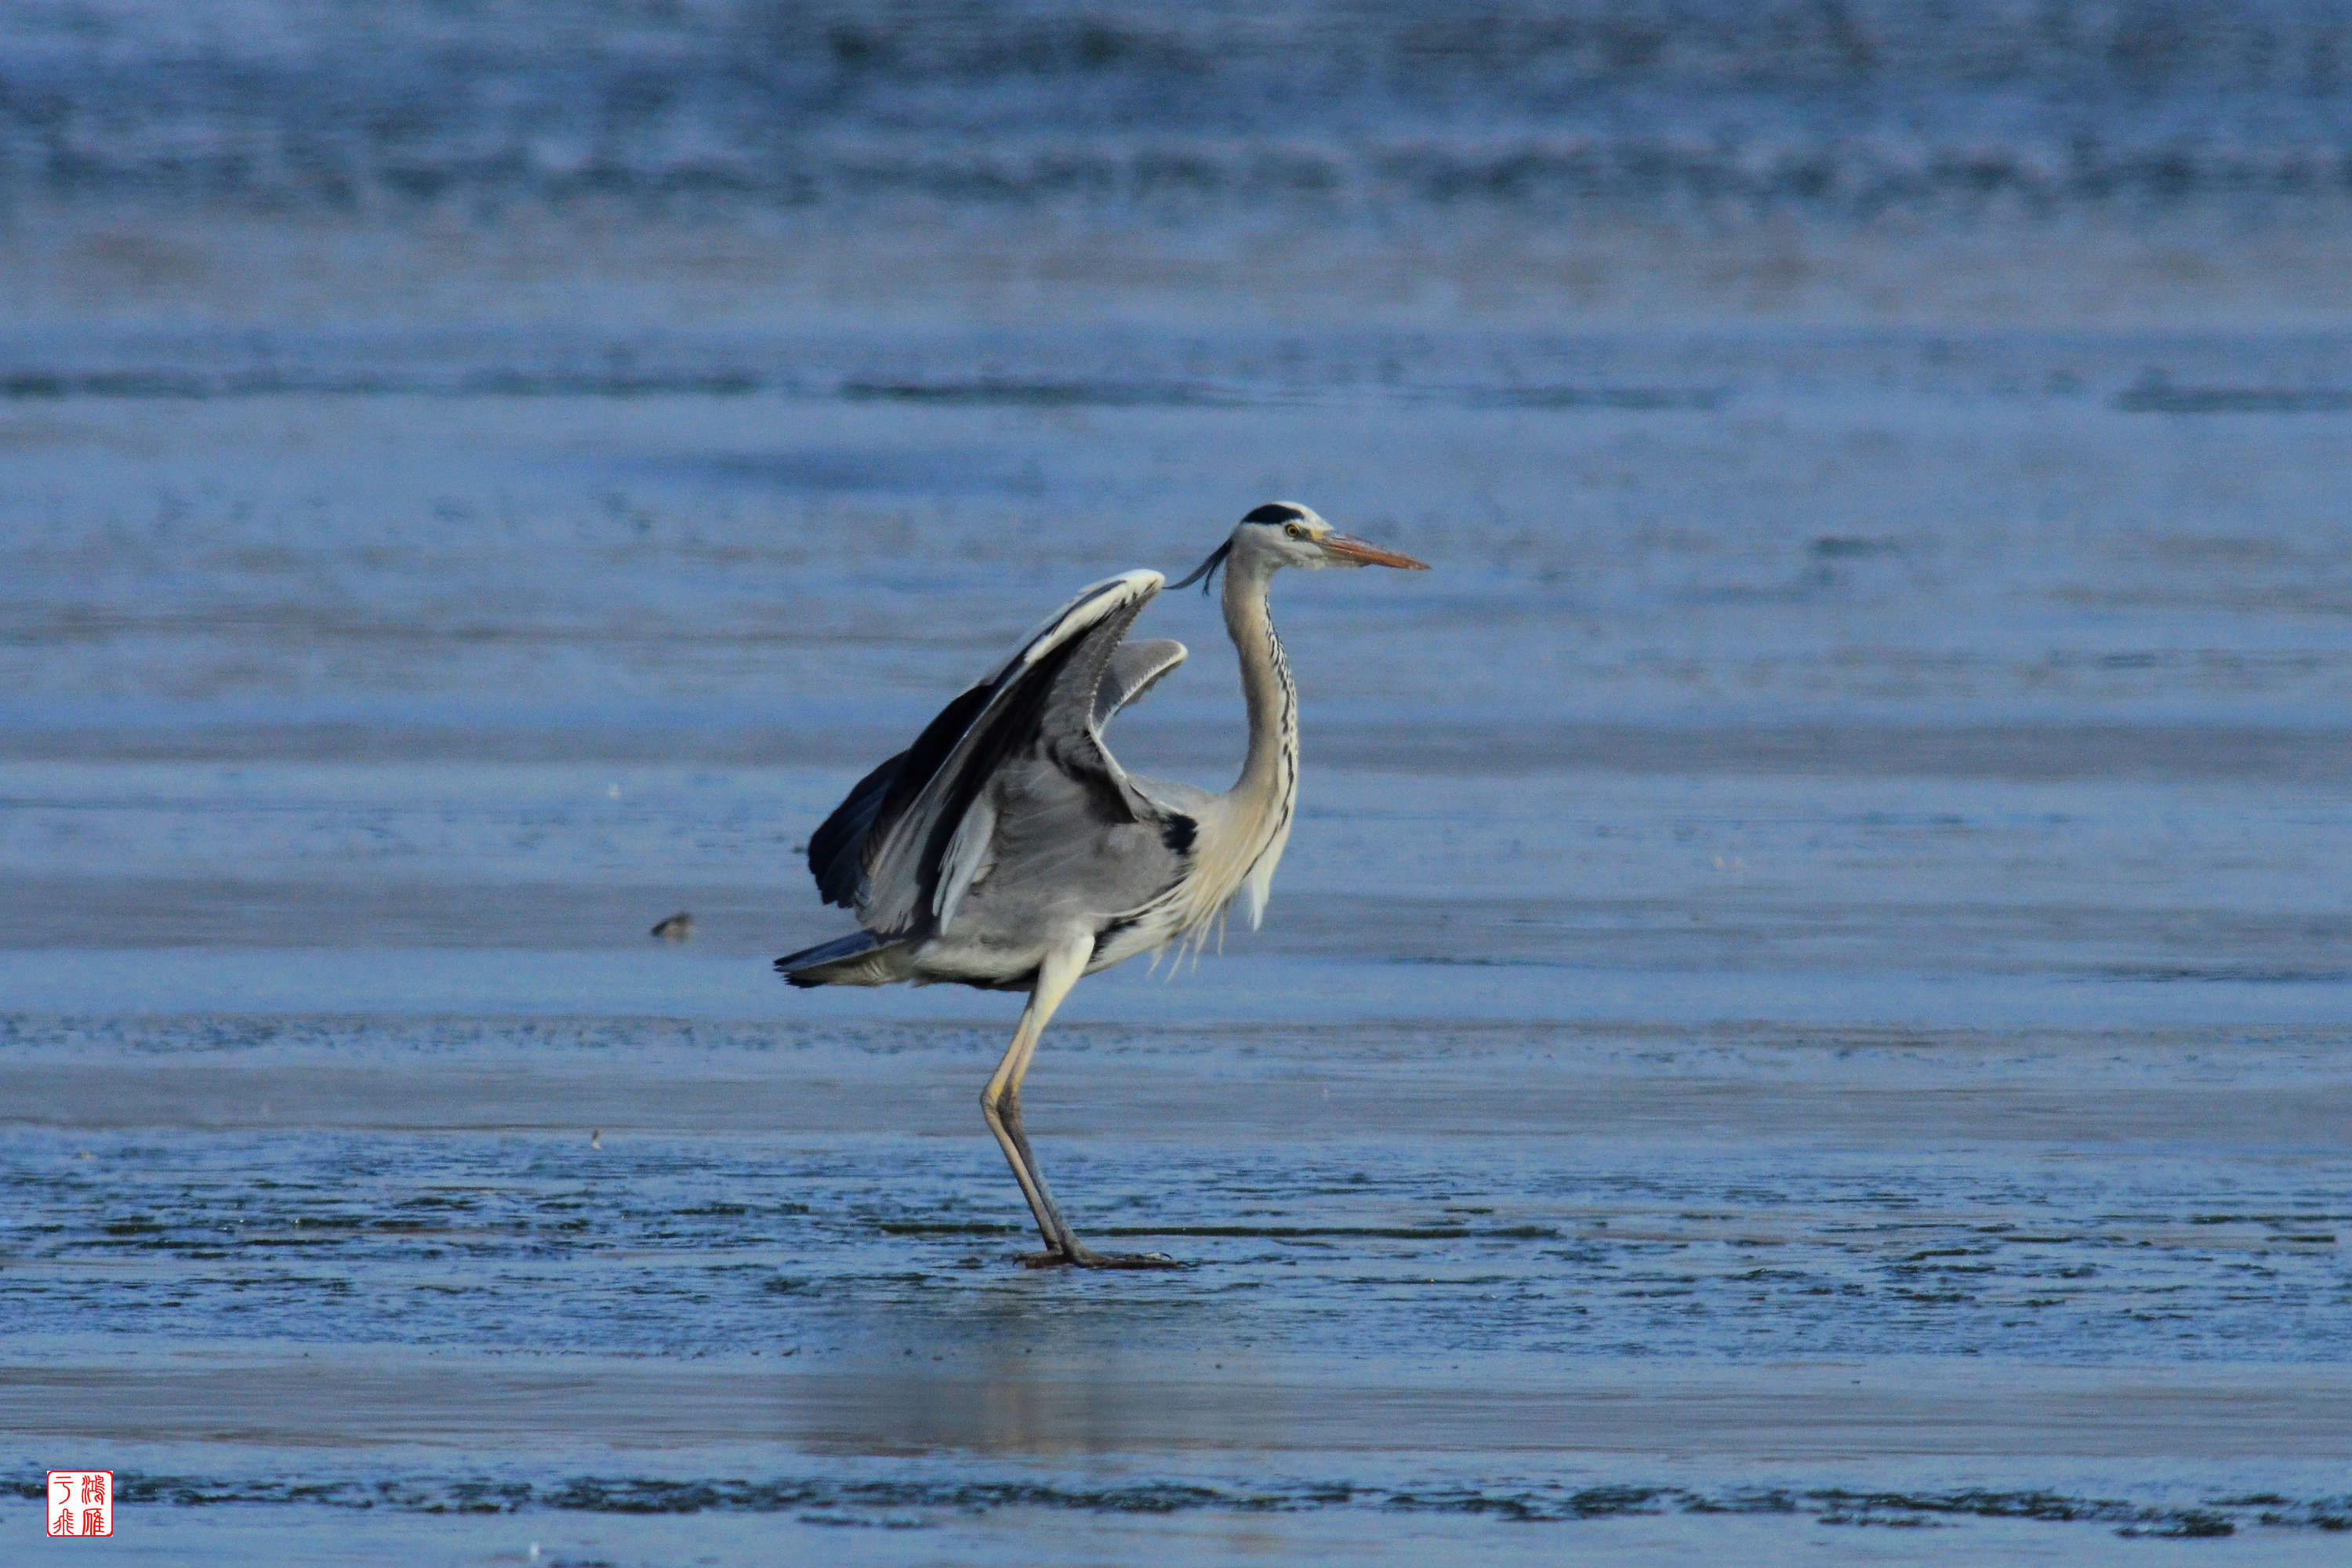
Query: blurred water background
[1809, 990]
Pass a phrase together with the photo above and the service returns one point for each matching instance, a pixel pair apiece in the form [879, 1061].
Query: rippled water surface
[1805, 1013]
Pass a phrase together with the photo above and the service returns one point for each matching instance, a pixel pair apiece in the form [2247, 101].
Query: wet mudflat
[1760, 1037]
[1738, 1157]
[1694, 1277]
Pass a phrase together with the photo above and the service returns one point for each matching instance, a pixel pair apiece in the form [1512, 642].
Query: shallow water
[1693, 1156]
[1805, 1011]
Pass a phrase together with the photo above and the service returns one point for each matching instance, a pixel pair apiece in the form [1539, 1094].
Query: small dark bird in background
[677, 928]
[1008, 850]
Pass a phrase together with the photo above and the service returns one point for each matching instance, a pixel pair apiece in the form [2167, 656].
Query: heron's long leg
[993, 1105]
[1000, 1102]
[1060, 1243]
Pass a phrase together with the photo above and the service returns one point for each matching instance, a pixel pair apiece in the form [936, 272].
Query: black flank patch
[1178, 833]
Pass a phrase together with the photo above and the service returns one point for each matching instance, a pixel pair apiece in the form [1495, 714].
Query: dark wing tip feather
[836, 850]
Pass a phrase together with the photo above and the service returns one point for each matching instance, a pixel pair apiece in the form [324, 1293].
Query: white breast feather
[1258, 886]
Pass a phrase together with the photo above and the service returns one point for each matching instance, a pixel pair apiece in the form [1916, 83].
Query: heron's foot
[1077, 1255]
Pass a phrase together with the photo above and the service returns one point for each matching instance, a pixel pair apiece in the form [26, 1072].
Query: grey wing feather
[1039, 705]
[970, 854]
[1135, 668]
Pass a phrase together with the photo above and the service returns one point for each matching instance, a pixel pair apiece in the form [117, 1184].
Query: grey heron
[1007, 848]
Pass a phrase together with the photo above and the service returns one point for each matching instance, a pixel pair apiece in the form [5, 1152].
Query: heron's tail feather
[861, 958]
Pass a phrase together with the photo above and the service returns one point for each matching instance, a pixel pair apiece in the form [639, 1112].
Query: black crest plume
[1206, 572]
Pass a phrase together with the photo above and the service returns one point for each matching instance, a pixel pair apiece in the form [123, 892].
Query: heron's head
[1284, 533]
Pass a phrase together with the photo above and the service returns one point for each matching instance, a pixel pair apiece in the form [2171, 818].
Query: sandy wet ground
[1653, 1140]
[1882, 1180]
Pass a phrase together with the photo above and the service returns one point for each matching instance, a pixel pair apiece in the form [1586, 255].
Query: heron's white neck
[1260, 803]
[1267, 688]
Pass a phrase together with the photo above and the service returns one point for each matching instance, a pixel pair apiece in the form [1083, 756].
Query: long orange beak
[1358, 553]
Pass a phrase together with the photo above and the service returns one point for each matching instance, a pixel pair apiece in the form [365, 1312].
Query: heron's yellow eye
[1296, 531]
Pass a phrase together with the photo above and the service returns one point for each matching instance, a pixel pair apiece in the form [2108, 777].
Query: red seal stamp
[81, 1502]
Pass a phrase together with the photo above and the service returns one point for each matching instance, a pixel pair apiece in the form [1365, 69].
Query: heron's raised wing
[1135, 668]
[915, 828]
